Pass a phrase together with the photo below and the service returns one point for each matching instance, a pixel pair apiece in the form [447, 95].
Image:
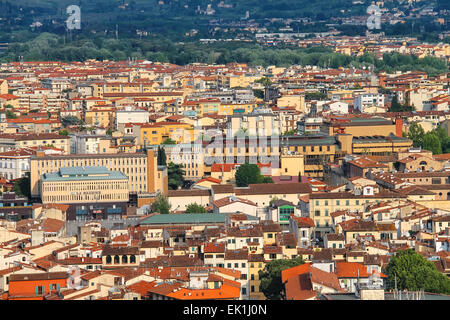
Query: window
[436, 181]
[40, 290]
[54, 286]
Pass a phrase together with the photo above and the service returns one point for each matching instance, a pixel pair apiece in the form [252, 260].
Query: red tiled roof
[350, 270]
[211, 247]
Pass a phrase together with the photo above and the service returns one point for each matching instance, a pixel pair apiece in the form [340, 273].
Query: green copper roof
[83, 173]
[188, 218]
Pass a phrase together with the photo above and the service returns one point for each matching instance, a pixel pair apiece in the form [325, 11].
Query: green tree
[161, 205]
[22, 186]
[258, 93]
[416, 134]
[169, 141]
[266, 82]
[271, 280]
[248, 174]
[273, 200]
[409, 270]
[10, 114]
[70, 121]
[317, 95]
[441, 133]
[64, 132]
[109, 132]
[175, 175]
[290, 132]
[267, 180]
[432, 143]
[161, 156]
[397, 107]
[195, 208]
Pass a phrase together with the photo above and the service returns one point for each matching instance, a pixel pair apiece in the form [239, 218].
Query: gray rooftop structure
[188, 218]
[83, 173]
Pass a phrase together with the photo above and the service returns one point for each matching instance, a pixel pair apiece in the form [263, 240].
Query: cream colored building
[297, 101]
[84, 184]
[144, 176]
[16, 141]
[262, 124]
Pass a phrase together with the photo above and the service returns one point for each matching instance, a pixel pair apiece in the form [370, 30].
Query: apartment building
[256, 124]
[190, 156]
[322, 204]
[15, 164]
[100, 116]
[87, 143]
[238, 260]
[56, 85]
[144, 175]
[364, 101]
[129, 115]
[41, 98]
[91, 191]
[26, 140]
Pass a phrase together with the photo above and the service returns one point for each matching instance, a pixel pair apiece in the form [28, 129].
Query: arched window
[108, 259]
[132, 259]
[116, 259]
[124, 259]
[423, 163]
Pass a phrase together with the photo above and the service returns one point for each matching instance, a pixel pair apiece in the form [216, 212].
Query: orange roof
[350, 270]
[210, 179]
[224, 292]
[52, 225]
[211, 247]
[299, 281]
[141, 287]
[229, 272]
[288, 273]
[303, 222]
[8, 96]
